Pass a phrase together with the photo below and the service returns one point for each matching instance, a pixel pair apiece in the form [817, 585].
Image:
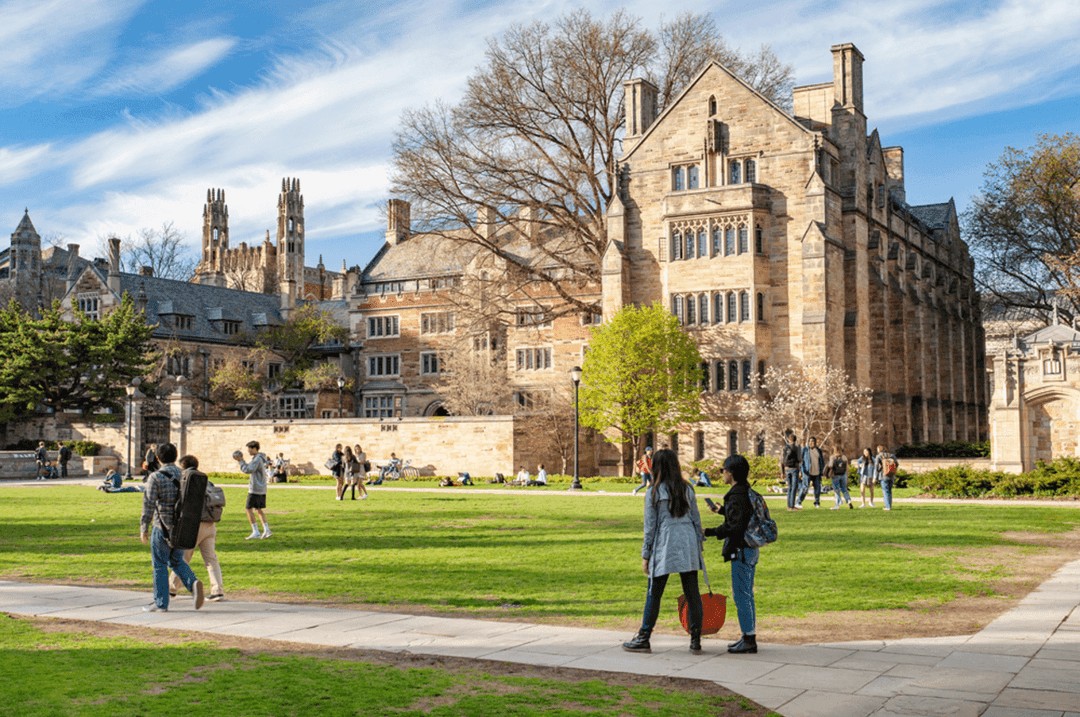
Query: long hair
[666, 471]
[348, 454]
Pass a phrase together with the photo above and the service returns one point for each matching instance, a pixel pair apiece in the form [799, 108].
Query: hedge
[82, 448]
[1049, 480]
[951, 449]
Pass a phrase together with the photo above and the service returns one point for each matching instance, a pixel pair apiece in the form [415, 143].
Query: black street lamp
[130, 389]
[340, 386]
[575, 376]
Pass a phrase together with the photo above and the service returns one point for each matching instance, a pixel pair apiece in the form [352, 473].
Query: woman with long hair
[359, 472]
[865, 466]
[338, 459]
[672, 544]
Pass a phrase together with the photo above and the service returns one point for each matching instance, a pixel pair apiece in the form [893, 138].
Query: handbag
[713, 609]
[331, 464]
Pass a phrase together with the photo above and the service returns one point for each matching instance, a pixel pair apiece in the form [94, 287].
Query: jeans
[886, 492]
[645, 478]
[703, 480]
[162, 557]
[656, 591]
[792, 476]
[465, 479]
[804, 486]
[743, 568]
[840, 485]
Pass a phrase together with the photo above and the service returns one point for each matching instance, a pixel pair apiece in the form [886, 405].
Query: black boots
[747, 645]
[354, 492]
[695, 642]
[640, 643]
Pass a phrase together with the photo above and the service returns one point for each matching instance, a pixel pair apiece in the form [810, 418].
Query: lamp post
[340, 387]
[575, 376]
[130, 389]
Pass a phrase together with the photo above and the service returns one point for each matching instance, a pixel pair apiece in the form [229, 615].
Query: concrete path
[1024, 664]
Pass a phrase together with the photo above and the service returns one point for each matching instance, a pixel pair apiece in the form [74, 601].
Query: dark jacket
[737, 511]
[151, 460]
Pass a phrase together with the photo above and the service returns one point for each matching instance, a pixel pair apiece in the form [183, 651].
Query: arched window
[689, 254]
[744, 306]
[759, 240]
[702, 243]
[729, 241]
[690, 309]
[720, 372]
[751, 171]
[717, 241]
[292, 224]
[760, 306]
[744, 240]
[718, 308]
[731, 310]
[732, 442]
[677, 308]
[759, 448]
[215, 233]
[699, 446]
[736, 172]
[703, 309]
[733, 376]
[712, 106]
[746, 375]
[705, 375]
[676, 245]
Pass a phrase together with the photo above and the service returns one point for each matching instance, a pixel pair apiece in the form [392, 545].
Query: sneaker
[216, 598]
[835, 507]
[363, 497]
[152, 607]
[798, 507]
[267, 533]
[872, 504]
[886, 508]
[850, 505]
[255, 535]
[198, 594]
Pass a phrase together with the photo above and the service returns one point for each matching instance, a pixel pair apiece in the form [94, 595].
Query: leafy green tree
[294, 348]
[63, 365]
[642, 373]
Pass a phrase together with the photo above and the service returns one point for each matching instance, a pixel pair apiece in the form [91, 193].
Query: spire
[26, 223]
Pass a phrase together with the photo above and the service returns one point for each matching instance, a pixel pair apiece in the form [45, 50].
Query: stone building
[33, 275]
[270, 267]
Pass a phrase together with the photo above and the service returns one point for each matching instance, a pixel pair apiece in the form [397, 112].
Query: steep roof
[935, 216]
[420, 255]
[26, 224]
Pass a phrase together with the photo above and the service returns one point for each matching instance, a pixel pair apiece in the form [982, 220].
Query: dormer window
[89, 305]
[230, 328]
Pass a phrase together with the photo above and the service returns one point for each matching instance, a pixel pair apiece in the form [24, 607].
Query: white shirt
[541, 477]
[523, 476]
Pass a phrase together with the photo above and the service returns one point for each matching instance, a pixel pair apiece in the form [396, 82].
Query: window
[484, 342]
[533, 316]
[703, 309]
[1052, 366]
[720, 373]
[687, 176]
[699, 445]
[880, 196]
[705, 371]
[759, 240]
[674, 442]
[292, 407]
[678, 179]
[439, 322]
[179, 365]
[733, 375]
[718, 308]
[676, 245]
[731, 308]
[729, 241]
[744, 240]
[751, 171]
[691, 310]
[273, 373]
[677, 308]
[590, 318]
[746, 374]
[735, 170]
[717, 242]
[88, 304]
[759, 447]
[702, 243]
[744, 306]
[760, 306]
[525, 399]
[760, 372]
[381, 326]
[248, 366]
[689, 235]
[533, 359]
[382, 406]
[431, 364]
[182, 323]
[692, 177]
[385, 365]
[732, 442]
[230, 328]
[215, 233]
[712, 106]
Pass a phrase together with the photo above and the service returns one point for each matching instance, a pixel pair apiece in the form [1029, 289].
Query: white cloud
[17, 163]
[168, 69]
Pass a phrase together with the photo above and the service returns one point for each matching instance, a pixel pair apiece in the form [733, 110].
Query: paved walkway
[1024, 664]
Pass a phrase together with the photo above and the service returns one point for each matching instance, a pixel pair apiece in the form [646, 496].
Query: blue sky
[120, 114]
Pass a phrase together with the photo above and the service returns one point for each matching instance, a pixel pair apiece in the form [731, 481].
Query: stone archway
[436, 408]
[1053, 426]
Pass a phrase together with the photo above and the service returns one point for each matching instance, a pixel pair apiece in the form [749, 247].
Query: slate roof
[421, 255]
[935, 216]
[1056, 333]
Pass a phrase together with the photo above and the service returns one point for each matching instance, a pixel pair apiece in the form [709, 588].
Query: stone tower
[290, 236]
[25, 273]
[215, 241]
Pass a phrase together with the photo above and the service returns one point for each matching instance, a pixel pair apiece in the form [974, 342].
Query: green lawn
[78, 674]
[539, 558]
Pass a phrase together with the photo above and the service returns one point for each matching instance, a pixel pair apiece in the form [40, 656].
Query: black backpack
[791, 457]
[188, 512]
[65, 454]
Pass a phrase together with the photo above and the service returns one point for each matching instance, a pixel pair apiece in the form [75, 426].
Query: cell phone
[708, 502]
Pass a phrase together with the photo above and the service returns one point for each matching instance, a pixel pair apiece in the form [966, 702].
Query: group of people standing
[350, 467]
[802, 467]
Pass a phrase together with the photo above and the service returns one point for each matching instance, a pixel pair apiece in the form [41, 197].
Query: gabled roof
[935, 216]
[418, 256]
[1055, 333]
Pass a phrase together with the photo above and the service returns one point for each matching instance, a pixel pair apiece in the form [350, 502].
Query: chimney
[894, 170]
[288, 287]
[847, 76]
[486, 220]
[146, 271]
[527, 224]
[640, 106]
[73, 265]
[397, 221]
[113, 280]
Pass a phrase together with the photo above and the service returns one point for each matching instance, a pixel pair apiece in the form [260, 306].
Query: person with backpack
[62, 457]
[159, 509]
[672, 544]
[837, 471]
[42, 456]
[336, 464]
[812, 466]
[211, 515]
[738, 510]
[790, 460]
[256, 500]
[644, 469]
[885, 466]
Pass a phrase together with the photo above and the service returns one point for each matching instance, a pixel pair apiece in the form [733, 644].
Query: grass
[563, 559]
[58, 673]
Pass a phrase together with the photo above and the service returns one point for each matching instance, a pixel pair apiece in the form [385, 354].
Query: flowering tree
[813, 400]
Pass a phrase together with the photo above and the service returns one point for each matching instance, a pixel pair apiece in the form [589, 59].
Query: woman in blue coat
[672, 544]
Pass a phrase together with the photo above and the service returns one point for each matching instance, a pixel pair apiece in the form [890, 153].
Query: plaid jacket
[159, 500]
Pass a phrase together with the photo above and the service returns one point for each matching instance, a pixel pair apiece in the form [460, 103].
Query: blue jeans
[743, 568]
[162, 557]
[792, 477]
[656, 591]
[645, 478]
[703, 480]
[465, 479]
[886, 492]
[804, 486]
[840, 485]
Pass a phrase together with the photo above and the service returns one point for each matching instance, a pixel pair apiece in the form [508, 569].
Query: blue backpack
[762, 528]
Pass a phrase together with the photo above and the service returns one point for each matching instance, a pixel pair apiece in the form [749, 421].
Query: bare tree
[524, 167]
[813, 400]
[162, 250]
[474, 380]
[550, 416]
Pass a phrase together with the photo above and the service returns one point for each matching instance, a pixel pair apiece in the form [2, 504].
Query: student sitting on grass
[113, 483]
[541, 477]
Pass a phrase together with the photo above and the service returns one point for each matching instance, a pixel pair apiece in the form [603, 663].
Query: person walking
[790, 460]
[62, 457]
[211, 515]
[151, 460]
[885, 466]
[737, 511]
[837, 472]
[159, 509]
[256, 500]
[644, 469]
[337, 468]
[42, 455]
[359, 475]
[812, 466]
[672, 544]
[865, 468]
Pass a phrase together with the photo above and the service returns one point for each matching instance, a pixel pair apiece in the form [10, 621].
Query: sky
[120, 114]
